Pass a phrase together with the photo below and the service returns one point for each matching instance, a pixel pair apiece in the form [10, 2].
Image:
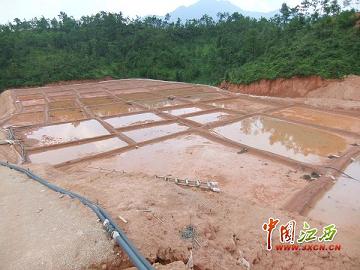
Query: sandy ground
[40, 230]
[228, 227]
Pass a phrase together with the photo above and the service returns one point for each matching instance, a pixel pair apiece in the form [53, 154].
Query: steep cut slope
[314, 87]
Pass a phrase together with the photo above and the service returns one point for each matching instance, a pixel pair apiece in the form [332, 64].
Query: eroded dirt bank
[313, 87]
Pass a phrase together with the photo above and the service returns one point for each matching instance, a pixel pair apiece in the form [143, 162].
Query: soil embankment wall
[314, 86]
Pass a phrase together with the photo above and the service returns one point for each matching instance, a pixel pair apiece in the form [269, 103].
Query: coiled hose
[116, 233]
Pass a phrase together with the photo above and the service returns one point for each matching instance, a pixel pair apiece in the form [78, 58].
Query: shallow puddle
[294, 141]
[159, 103]
[69, 153]
[195, 157]
[241, 105]
[146, 134]
[69, 115]
[341, 204]
[134, 119]
[325, 119]
[114, 109]
[182, 111]
[210, 117]
[56, 134]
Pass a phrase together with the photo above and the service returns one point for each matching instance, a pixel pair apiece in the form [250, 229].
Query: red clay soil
[296, 87]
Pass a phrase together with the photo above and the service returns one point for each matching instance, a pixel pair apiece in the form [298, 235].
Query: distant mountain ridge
[212, 8]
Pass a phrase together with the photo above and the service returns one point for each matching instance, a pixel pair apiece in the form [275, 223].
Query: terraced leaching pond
[341, 204]
[298, 142]
[195, 157]
[326, 119]
[66, 115]
[149, 133]
[132, 108]
[126, 126]
[62, 133]
[114, 109]
[134, 119]
[158, 103]
[26, 119]
[241, 105]
[182, 111]
[61, 155]
[210, 117]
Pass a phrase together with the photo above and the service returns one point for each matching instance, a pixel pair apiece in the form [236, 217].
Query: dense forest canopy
[315, 38]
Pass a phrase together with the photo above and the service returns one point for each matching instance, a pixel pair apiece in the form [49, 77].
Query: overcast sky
[10, 9]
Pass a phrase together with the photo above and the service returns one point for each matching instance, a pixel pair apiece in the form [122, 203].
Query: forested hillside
[312, 39]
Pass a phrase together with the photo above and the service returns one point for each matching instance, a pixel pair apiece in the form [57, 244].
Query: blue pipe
[112, 228]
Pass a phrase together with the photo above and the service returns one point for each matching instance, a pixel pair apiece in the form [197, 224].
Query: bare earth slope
[40, 230]
[315, 91]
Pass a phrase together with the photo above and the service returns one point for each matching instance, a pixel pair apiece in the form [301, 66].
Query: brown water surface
[341, 204]
[326, 119]
[134, 119]
[287, 139]
[69, 153]
[149, 133]
[57, 134]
